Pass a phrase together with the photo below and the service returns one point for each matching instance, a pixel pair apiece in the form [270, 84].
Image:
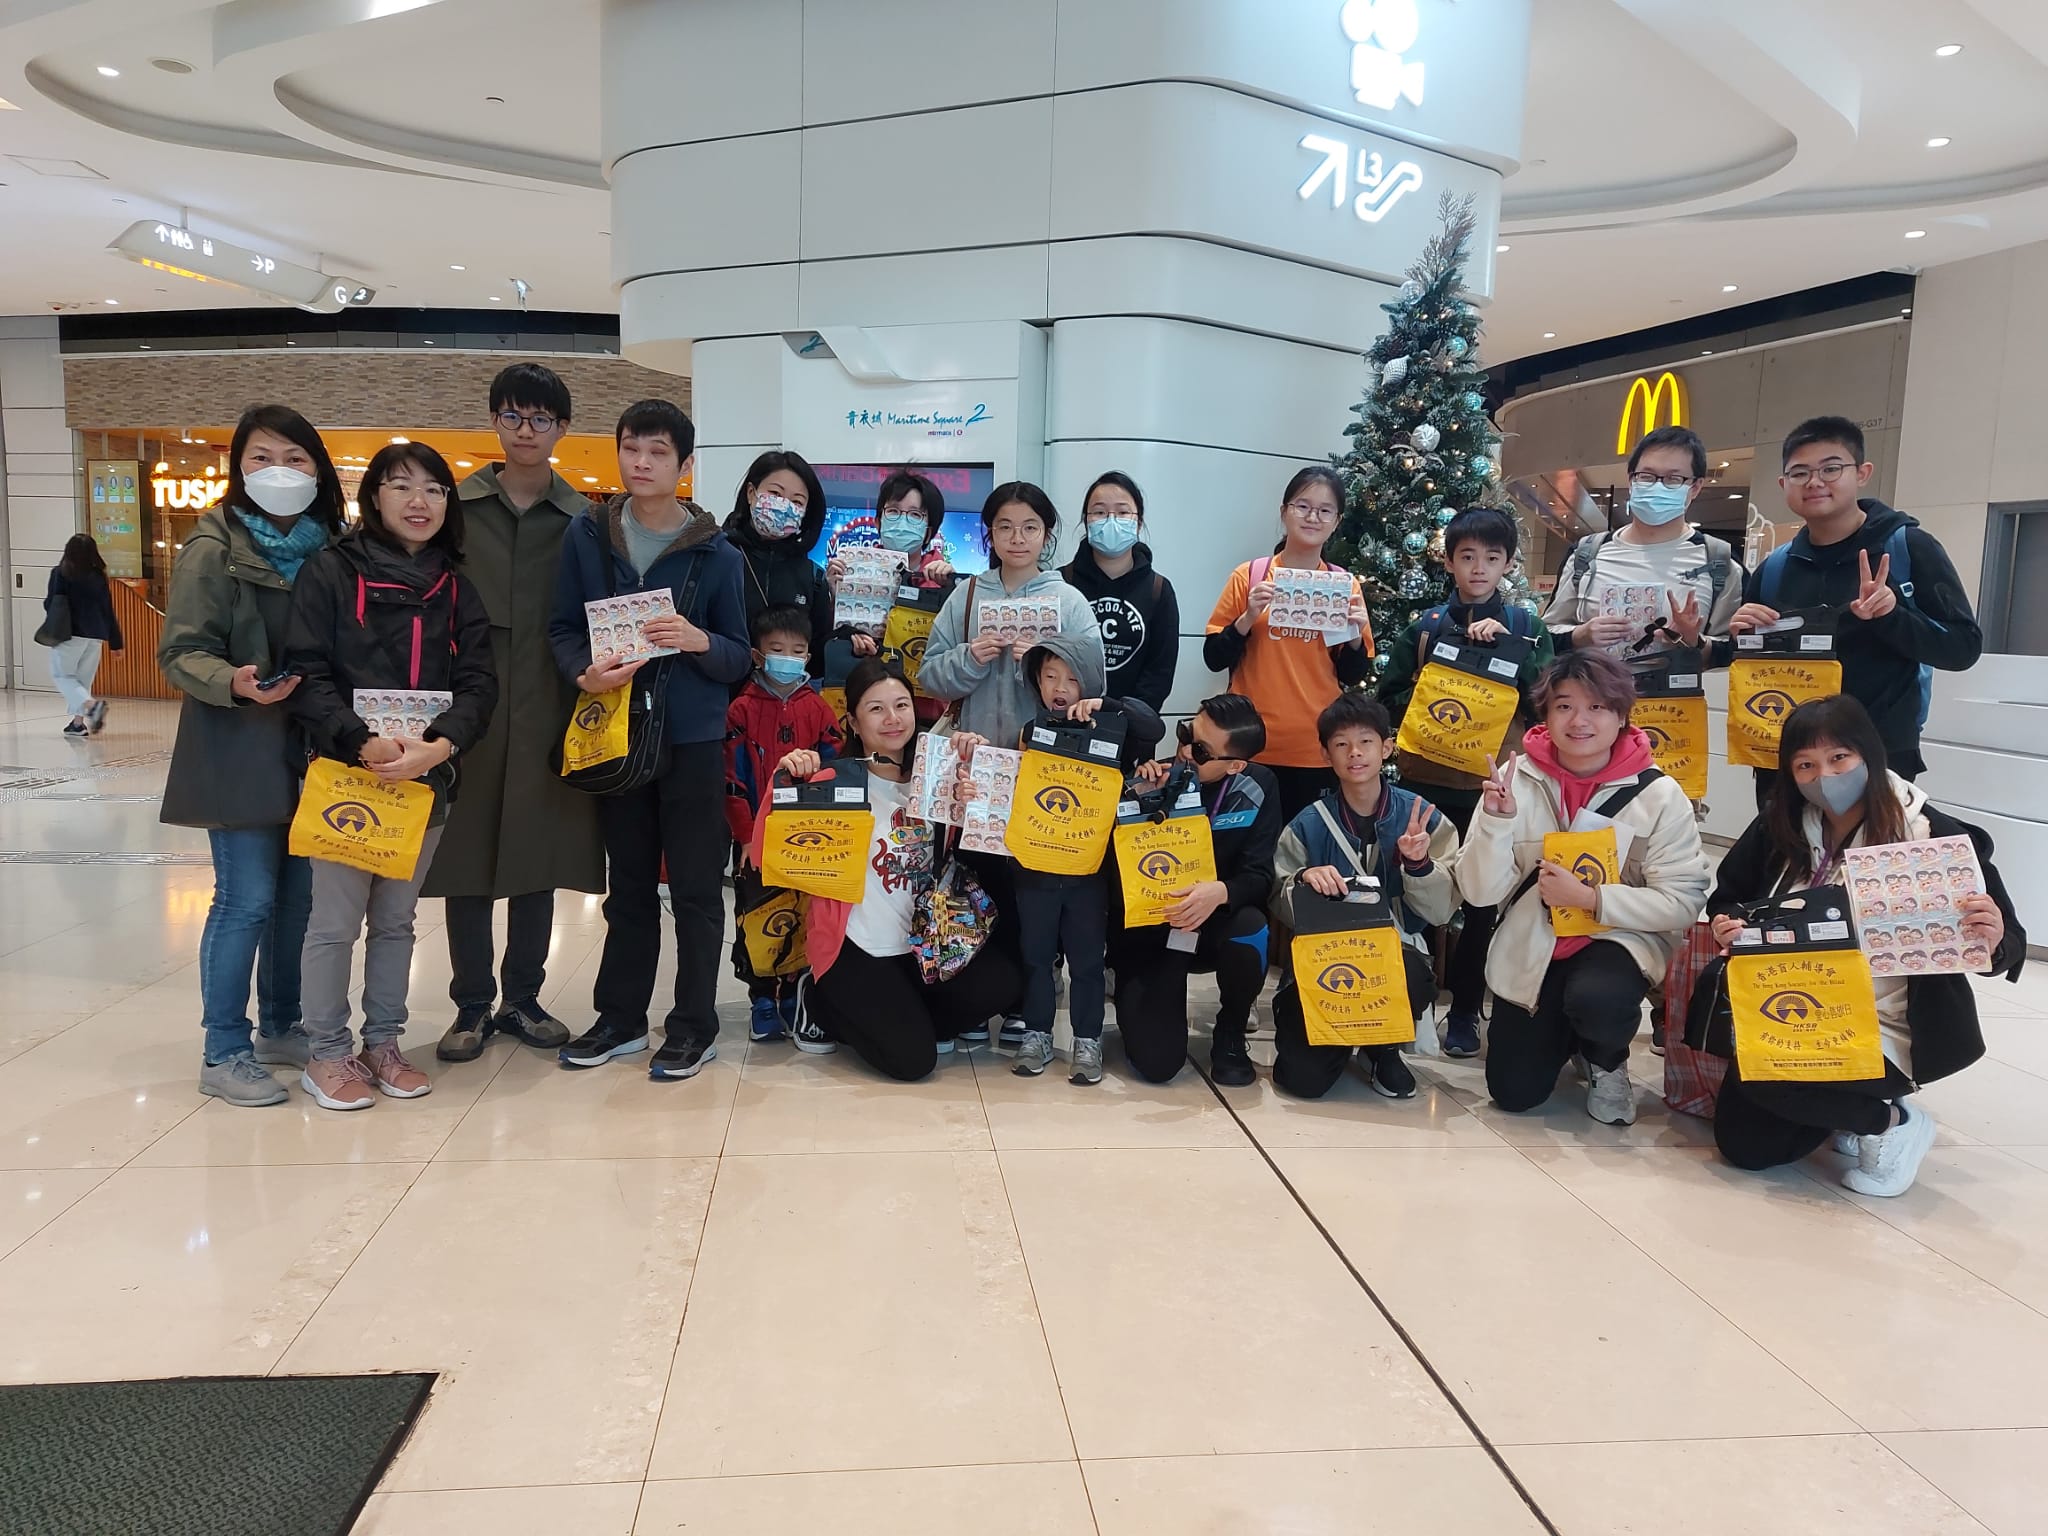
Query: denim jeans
[73, 666]
[261, 899]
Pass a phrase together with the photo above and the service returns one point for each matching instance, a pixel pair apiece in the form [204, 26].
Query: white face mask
[281, 490]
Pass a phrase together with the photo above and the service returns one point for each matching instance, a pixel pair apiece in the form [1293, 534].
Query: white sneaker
[1889, 1163]
[1849, 1144]
[1610, 1096]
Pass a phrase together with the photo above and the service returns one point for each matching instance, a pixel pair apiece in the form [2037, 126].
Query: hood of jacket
[1085, 570]
[373, 560]
[1087, 667]
[739, 527]
[698, 527]
[1879, 522]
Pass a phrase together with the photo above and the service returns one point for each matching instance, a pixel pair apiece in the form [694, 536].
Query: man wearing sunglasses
[1900, 607]
[515, 832]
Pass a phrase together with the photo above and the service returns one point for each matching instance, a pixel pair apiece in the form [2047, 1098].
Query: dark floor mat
[202, 1456]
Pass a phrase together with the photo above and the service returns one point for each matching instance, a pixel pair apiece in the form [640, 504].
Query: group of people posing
[281, 611]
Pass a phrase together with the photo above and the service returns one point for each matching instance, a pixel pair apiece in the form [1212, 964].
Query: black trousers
[1591, 1003]
[1063, 915]
[1152, 986]
[1299, 789]
[1765, 1125]
[1467, 971]
[529, 929]
[1310, 1071]
[670, 818]
[881, 1007]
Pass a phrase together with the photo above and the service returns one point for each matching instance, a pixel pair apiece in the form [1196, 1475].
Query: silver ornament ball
[1425, 437]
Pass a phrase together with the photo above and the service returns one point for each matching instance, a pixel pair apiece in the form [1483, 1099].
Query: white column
[38, 483]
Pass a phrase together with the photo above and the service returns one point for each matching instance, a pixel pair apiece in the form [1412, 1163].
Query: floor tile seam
[682, 1323]
[505, 1060]
[98, 1184]
[1938, 1491]
[1400, 1331]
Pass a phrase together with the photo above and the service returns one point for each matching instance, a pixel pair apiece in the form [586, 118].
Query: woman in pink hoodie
[1554, 997]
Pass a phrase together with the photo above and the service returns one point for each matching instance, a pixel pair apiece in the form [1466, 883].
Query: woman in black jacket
[80, 579]
[1136, 606]
[1836, 793]
[775, 522]
[385, 611]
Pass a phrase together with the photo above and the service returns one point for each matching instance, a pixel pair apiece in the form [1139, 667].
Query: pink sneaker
[395, 1075]
[343, 1083]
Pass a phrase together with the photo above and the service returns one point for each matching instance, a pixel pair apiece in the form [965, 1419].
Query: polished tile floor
[787, 1296]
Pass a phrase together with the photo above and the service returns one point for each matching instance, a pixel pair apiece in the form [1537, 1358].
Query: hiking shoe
[396, 1077]
[1034, 1052]
[681, 1057]
[343, 1083]
[764, 1021]
[807, 1033]
[1889, 1163]
[1461, 1033]
[1230, 1064]
[1087, 1062]
[96, 716]
[1011, 1036]
[1390, 1075]
[1610, 1096]
[465, 1038]
[293, 1048]
[974, 1034]
[241, 1081]
[531, 1024]
[601, 1043]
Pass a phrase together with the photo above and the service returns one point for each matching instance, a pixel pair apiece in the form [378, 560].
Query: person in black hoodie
[80, 578]
[1139, 614]
[384, 608]
[1891, 622]
[1225, 917]
[1835, 794]
[775, 521]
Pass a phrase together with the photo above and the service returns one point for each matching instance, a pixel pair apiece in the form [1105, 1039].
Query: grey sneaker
[1611, 1097]
[531, 1024]
[242, 1081]
[1035, 1054]
[293, 1048]
[1087, 1062]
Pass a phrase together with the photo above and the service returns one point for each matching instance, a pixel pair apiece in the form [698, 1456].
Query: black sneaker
[1390, 1075]
[467, 1036]
[806, 1029]
[1230, 1064]
[531, 1024]
[680, 1057]
[602, 1043]
[1011, 1036]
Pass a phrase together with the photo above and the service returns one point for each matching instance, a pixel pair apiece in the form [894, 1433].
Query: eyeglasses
[897, 509]
[433, 490]
[1198, 751]
[1309, 512]
[540, 421]
[1643, 482]
[1827, 474]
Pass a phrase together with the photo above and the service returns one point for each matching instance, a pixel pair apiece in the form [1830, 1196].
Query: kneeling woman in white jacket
[1559, 997]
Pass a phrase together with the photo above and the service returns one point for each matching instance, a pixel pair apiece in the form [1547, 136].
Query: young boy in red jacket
[778, 712]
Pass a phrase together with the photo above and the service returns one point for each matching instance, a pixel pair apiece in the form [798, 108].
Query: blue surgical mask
[1657, 504]
[784, 670]
[1113, 535]
[776, 517]
[903, 531]
[1839, 793]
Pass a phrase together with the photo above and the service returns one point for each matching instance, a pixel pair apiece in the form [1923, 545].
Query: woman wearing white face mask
[775, 522]
[1836, 793]
[1697, 580]
[1136, 606]
[232, 770]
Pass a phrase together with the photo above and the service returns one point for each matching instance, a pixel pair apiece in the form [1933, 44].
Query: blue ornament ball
[1415, 543]
[1457, 346]
[1482, 465]
[1444, 516]
[1474, 401]
[1383, 557]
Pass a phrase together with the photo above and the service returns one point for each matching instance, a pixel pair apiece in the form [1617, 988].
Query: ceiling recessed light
[1937, 142]
[496, 300]
[462, 464]
[171, 66]
[1503, 247]
[554, 461]
[110, 72]
[1707, 352]
[427, 342]
[1916, 234]
[1550, 335]
[401, 440]
[162, 465]
[1907, 310]
[1727, 287]
[1735, 495]
[1948, 50]
[144, 346]
[590, 479]
[456, 266]
[113, 301]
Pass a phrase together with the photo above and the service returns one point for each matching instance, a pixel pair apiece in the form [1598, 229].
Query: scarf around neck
[289, 550]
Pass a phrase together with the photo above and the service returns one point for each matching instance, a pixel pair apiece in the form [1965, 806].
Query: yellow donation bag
[1800, 996]
[1159, 852]
[1464, 703]
[909, 625]
[597, 730]
[350, 816]
[1349, 971]
[1068, 787]
[773, 931]
[1671, 709]
[1591, 857]
[819, 833]
[1772, 675]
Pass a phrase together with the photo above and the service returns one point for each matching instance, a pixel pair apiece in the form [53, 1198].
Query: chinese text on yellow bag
[1065, 803]
[1464, 702]
[1772, 675]
[1154, 859]
[1800, 995]
[818, 835]
[1671, 709]
[1590, 856]
[597, 730]
[350, 816]
[909, 626]
[1349, 971]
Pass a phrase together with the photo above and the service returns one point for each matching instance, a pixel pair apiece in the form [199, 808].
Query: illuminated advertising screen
[850, 491]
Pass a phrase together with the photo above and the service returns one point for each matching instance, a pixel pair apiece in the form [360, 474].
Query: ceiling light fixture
[1938, 142]
[496, 300]
[161, 466]
[590, 479]
[401, 440]
[1709, 352]
[462, 464]
[1727, 287]
[1948, 50]
[113, 301]
[110, 72]
[1550, 335]
[1907, 310]
[171, 66]
[1916, 234]
[456, 266]
[1503, 248]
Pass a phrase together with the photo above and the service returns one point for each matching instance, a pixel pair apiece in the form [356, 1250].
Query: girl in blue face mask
[909, 511]
[1135, 605]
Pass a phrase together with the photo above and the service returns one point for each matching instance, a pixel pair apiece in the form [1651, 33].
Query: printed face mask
[280, 490]
[1657, 504]
[903, 531]
[1839, 793]
[1113, 535]
[783, 670]
[776, 517]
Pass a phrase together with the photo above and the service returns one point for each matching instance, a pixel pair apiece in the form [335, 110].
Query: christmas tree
[1423, 447]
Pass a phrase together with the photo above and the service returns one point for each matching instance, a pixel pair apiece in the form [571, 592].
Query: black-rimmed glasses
[541, 422]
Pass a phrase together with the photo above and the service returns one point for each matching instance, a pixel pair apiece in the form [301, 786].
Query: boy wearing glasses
[516, 833]
[1900, 607]
[1657, 582]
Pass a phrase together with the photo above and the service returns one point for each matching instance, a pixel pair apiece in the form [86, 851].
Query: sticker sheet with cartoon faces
[980, 808]
[1641, 606]
[868, 589]
[397, 712]
[618, 625]
[1312, 605]
[1908, 900]
[1011, 619]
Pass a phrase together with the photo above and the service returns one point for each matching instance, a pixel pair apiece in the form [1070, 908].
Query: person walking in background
[232, 768]
[1134, 604]
[1290, 677]
[79, 580]
[519, 834]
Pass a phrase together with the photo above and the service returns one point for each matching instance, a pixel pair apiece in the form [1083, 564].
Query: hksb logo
[351, 817]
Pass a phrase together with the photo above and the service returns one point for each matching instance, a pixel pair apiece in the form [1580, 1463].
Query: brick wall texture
[352, 387]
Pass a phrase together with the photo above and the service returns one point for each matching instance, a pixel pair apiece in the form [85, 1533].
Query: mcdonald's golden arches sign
[1647, 401]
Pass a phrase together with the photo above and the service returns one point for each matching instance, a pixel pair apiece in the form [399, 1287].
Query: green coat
[515, 827]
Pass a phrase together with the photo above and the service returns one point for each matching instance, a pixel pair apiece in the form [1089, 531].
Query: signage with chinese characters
[205, 259]
[194, 494]
[1383, 186]
[1651, 399]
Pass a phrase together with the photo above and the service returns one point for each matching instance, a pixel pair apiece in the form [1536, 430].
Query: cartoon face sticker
[1883, 965]
[1898, 885]
[1941, 933]
[1913, 960]
[1945, 958]
[1906, 906]
[1868, 888]
[1879, 938]
[1877, 909]
[1896, 858]
[1928, 880]
[1961, 878]
[1911, 936]
[1977, 956]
